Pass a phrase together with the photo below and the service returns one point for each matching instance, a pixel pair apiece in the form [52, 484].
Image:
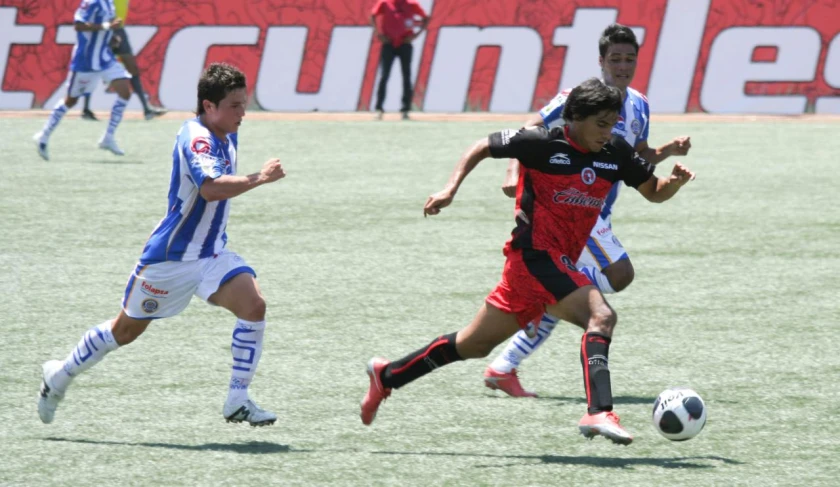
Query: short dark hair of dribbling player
[617, 34]
[591, 98]
[216, 82]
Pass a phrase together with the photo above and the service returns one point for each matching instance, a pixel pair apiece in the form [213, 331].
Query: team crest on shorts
[636, 126]
[150, 306]
[588, 175]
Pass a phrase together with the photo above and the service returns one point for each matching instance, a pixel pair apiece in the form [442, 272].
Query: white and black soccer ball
[679, 414]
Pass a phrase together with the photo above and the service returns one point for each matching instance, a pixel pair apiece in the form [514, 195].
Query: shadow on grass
[590, 461]
[621, 400]
[582, 400]
[252, 447]
[616, 400]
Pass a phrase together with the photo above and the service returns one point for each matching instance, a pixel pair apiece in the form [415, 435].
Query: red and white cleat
[506, 382]
[606, 424]
[377, 392]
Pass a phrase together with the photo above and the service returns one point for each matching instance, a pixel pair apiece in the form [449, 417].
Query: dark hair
[216, 82]
[590, 98]
[617, 34]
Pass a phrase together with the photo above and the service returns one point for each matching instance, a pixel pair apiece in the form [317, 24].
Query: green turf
[736, 295]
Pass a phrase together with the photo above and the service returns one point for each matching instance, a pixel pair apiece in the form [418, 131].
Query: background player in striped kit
[92, 60]
[568, 172]
[186, 254]
[604, 259]
[122, 48]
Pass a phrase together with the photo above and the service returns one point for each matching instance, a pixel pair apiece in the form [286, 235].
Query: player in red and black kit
[568, 173]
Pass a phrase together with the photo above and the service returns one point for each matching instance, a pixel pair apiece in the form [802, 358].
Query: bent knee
[603, 320]
[254, 310]
[620, 282]
[620, 275]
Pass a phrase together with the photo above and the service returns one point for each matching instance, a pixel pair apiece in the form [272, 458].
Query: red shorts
[533, 279]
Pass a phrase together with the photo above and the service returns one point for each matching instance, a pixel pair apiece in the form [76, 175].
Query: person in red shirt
[393, 22]
[569, 171]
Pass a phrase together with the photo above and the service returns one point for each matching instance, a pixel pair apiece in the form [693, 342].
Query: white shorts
[164, 289]
[602, 248]
[79, 83]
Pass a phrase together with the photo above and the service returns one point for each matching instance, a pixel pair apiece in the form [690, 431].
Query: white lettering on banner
[139, 36]
[829, 104]
[10, 33]
[678, 49]
[341, 81]
[452, 66]
[185, 57]
[581, 61]
[730, 66]
[393, 91]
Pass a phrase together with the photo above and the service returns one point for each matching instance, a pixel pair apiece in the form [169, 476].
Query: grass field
[736, 295]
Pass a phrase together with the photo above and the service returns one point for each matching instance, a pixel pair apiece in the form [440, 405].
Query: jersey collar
[572, 142]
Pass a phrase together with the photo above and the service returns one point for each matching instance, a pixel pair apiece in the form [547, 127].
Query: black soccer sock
[419, 363]
[87, 103]
[594, 357]
[138, 88]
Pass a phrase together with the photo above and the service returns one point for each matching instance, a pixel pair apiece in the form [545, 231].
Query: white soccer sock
[116, 116]
[246, 349]
[598, 279]
[52, 122]
[95, 343]
[521, 347]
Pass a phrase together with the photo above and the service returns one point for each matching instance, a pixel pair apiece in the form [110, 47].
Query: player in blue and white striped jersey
[604, 259]
[186, 256]
[92, 61]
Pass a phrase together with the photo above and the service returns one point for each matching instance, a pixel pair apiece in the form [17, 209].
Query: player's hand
[116, 23]
[681, 174]
[272, 170]
[382, 37]
[439, 200]
[114, 43]
[509, 186]
[511, 179]
[680, 146]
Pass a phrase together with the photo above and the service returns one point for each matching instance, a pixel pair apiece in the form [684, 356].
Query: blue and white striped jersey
[92, 52]
[193, 227]
[633, 125]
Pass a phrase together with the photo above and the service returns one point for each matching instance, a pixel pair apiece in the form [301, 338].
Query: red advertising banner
[718, 56]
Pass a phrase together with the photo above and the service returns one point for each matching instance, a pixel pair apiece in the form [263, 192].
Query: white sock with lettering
[94, 345]
[52, 122]
[521, 346]
[246, 348]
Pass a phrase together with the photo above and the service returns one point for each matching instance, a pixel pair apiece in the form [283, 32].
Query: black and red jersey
[563, 186]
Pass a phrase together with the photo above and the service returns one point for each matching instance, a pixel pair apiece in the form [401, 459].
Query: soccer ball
[679, 414]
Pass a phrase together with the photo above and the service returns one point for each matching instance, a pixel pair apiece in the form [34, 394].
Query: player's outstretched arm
[479, 151]
[91, 27]
[228, 186]
[512, 174]
[657, 190]
[677, 147]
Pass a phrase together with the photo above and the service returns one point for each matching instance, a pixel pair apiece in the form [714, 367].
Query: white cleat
[42, 146]
[248, 412]
[109, 143]
[49, 397]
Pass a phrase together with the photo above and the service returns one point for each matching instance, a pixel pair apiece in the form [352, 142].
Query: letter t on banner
[11, 33]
